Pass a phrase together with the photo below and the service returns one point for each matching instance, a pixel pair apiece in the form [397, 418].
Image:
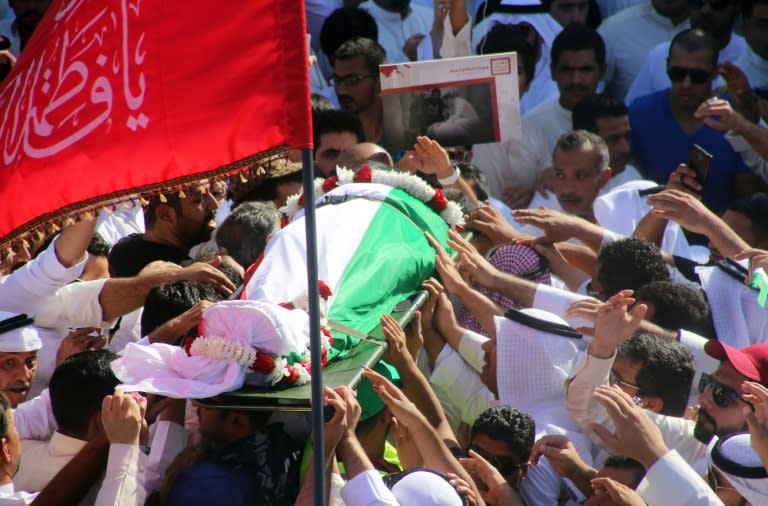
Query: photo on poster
[457, 101]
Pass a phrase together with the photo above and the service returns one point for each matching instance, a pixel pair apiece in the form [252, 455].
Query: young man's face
[357, 88]
[577, 74]
[691, 74]
[568, 12]
[197, 217]
[721, 420]
[615, 131]
[329, 149]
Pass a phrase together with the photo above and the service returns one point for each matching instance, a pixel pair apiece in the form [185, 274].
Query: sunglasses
[723, 395]
[505, 465]
[716, 5]
[697, 76]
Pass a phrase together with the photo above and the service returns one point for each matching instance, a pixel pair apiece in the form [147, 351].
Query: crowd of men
[597, 340]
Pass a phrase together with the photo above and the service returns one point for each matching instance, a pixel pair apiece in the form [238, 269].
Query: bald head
[355, 156]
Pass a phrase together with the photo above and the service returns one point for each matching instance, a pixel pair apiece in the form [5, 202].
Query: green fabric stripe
[390, 263]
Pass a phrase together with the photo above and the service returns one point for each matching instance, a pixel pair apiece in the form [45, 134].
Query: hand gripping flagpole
[318, 451]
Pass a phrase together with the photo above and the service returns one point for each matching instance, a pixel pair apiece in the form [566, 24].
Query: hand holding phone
[700, 161]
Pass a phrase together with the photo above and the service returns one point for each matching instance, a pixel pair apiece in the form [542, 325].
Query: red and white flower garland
[412, 184]
[276, 368]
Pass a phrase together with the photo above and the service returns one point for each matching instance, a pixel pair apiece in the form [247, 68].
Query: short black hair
[502, 38]
[678, 306]
[696, 39]
[98, 247]
[667, 370]
[748, 7]
[334, 121]
[577, 38]
[169, 300]
[617, 461]
[754, 207]
[245, 231]
[505, 423]
[78, 387]
[344, 24]
[369, 49]
[589, 109]
[150, 211]
[629, 264]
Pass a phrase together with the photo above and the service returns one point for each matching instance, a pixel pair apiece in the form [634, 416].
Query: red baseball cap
[751, 361]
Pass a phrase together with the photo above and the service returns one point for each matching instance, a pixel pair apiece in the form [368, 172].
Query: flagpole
[314, 318]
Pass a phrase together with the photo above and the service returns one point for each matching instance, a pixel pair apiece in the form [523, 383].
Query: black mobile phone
[699, 160]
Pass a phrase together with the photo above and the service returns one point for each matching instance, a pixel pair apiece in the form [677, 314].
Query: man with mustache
[174, 223]
[578, 65]
[667, 118]
[19, 344]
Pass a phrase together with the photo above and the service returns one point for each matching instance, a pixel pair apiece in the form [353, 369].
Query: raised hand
[472, 263]
[620, 494]
[121, 418]
[636, 435]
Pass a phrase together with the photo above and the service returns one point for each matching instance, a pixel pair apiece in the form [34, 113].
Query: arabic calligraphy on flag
[116, 97]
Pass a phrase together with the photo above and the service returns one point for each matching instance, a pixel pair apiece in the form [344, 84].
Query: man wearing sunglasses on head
[664, 124]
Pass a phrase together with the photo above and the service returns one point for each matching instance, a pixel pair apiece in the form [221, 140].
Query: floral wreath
[291, 370]
[414, 185]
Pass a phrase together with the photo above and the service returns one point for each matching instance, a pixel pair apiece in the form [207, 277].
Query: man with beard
[28, 15]
[713, 17]
[174, 224]
[356, 79]
[667, 118]
[578, 65]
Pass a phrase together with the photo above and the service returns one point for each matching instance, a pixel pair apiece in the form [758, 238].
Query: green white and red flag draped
[117, 97]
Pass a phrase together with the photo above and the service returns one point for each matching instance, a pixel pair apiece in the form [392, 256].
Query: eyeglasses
[615, 379]
[350, 81]
[505, 465]
[697, 76]
[723, 395]
[715, 5]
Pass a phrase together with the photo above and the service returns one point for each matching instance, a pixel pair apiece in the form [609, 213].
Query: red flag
[117, 97]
